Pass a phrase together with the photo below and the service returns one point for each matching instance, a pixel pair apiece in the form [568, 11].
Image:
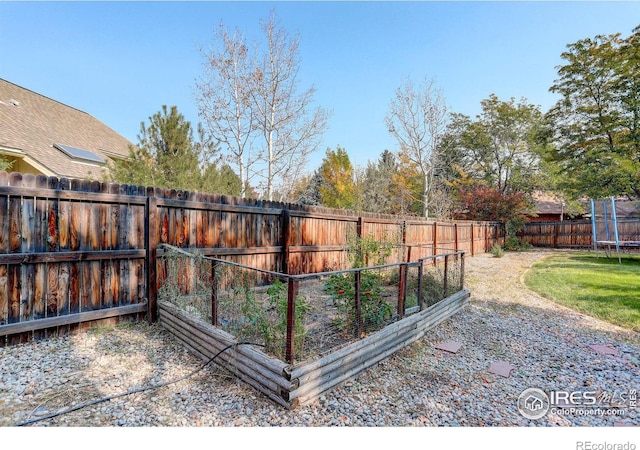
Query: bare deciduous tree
[417, 118]
[251, 103]
[224, 99]
[291, 131]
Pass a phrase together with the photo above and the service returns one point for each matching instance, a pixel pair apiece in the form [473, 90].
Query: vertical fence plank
[435, 238]
[285, 226]
[106, 221]
[76, 236]
[123, 265]
[4, 299]
[15, 221]
[15, 246]
[53, 238]
[472, 240]
[4, 224]
[14, 293]
[151, 244]
[27, 271]
[63, 268]
[114, 269]
[53, 245]
[40, 245]
[98, 238]
[134, 242]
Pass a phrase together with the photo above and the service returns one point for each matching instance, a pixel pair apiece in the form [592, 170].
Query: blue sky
[121, 61]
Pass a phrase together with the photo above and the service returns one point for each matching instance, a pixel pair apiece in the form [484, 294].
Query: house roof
[30, 125]
[548, 203]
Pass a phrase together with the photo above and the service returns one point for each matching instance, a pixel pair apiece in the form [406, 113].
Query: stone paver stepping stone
[502, 368]
[604, 349]
[449, 346]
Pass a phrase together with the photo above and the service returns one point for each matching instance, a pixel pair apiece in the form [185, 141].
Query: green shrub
[513, 244]
[497, 251]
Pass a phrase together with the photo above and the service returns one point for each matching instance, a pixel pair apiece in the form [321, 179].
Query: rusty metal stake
[420, 301]
[462, 271]
[358, 302]
[214, 293]
[446, 270]
[292, 293]
[402, 289]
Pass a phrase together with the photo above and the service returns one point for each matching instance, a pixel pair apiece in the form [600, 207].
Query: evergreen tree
[5, 164]
[168, 156]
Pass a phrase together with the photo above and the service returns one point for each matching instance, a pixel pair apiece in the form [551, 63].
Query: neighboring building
[44, 136]
[550, 207]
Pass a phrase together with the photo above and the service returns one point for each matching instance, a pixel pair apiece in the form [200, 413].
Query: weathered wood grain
[4, 295]
[71, 319]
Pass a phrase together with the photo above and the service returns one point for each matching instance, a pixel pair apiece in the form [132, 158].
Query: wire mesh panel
[297, 317]
[365, 300]
[441, 277]
[187, 283]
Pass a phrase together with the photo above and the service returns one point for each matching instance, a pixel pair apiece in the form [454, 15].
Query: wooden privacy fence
[79, 251]
[573, 233]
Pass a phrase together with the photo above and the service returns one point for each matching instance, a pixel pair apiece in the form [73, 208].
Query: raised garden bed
[315, 331]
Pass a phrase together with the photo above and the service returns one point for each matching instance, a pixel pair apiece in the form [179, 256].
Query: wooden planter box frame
[293, 385]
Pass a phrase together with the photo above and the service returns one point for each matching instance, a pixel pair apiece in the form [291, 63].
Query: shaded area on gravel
[418, 386]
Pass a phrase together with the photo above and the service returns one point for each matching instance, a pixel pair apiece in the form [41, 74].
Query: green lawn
[593, 284]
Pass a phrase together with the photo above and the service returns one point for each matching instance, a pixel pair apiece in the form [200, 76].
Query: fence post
[292, 293]
[402, 288]
[462, 271]
[435, 238]
[446, 273]
[472, 238]
[486, 237]
[214, 293]
[455, 230]
[420, 269]
[286, 232]
[358, 302]
[151, 243]
[404, 242]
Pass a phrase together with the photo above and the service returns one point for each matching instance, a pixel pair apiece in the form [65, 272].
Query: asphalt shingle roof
[32, 123]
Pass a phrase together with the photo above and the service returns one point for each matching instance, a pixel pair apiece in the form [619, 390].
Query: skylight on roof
[78, 153]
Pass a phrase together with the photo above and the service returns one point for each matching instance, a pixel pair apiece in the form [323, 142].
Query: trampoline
[605, 226]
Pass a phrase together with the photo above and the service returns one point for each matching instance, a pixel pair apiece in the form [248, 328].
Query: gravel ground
[419, 386]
